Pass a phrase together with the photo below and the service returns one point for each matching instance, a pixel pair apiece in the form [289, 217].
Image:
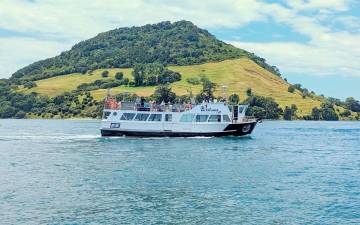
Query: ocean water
[63, 172]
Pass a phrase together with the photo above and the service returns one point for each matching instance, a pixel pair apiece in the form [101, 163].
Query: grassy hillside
[237, 74]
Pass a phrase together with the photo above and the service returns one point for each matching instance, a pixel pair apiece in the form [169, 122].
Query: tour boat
[179, 120]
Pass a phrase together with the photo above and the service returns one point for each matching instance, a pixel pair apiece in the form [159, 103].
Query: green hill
[178, 43]
[73, 84]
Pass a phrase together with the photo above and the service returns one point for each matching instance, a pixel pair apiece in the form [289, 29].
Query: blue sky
[313, 42]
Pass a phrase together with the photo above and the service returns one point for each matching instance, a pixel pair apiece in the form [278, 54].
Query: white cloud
[19, 52]
[306, 59]
[336, 5]
[55, 21]
[83, 18]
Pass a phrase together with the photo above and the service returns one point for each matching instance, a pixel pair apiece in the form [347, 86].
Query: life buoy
[246, 128]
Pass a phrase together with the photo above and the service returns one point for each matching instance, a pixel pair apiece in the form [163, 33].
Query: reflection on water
[63, 172]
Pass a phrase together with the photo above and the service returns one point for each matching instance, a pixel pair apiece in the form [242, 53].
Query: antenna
[108, 95]
[189, 91]
[224, 89]
[192, 99]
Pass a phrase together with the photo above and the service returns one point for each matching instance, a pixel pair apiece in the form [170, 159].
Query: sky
[312, 42]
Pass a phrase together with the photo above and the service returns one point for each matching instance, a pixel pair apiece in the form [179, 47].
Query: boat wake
[49, 137]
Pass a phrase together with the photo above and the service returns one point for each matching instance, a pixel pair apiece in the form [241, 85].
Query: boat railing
[246, 119]
[149, 107]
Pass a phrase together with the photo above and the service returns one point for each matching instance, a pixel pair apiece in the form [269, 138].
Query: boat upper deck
[151, 106]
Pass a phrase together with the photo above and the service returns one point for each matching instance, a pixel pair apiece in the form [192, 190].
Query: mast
[224, 91]
[108, 93]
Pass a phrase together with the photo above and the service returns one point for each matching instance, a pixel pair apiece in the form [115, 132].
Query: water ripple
[63, 172]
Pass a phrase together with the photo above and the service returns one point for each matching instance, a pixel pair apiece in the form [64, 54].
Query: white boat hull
[202, 120]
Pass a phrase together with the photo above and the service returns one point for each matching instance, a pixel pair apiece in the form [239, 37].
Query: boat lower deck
[231, 129]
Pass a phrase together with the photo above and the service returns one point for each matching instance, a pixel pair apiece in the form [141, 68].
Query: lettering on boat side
[206, 109]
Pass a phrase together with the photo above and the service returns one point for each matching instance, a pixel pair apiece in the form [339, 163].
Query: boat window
[141, 116]
[187, 118]
[226, 118]
[114, 113]
[241, 109]
[214, 118]
[115, 125]
[168, 117]
[201, 118]
[106, 115]
[155, 117]
[127, 116]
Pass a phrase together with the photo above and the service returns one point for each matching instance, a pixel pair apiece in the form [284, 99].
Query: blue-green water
[63, 172]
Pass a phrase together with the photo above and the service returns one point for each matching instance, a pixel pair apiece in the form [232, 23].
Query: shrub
[164, 93]
[105, 74]
[248, 92]
[30, 84]
[291, 89]
[234, 99]
[125, 81]
[193, 80]
[290, 112]
[346, 113]
[153, 74]
[119, 75]
[316, 113]
[287, 113]
[263, 107]
[329, 114]
[304, 93]
[352, 104]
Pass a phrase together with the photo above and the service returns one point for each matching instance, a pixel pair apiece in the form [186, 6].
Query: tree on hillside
[234, 99]
[7, 111]
[336, 101]
[294, 108]
[183, 99]
[125, 81]
[153, 74]
[305, 93]
[263, 107]
[291, 89]
[328, 112]
[316, 113]
[30, 84]
[119, 75]
[290, 112]
[105, 73]
[208, 89]
[248, 92]
[346, 113]
[164, 93]
[287, 113]
[193, 80]
[298, 87]
[20, 115]
[257, 111]
[127, 97]
[138, 74]
[352, 104]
